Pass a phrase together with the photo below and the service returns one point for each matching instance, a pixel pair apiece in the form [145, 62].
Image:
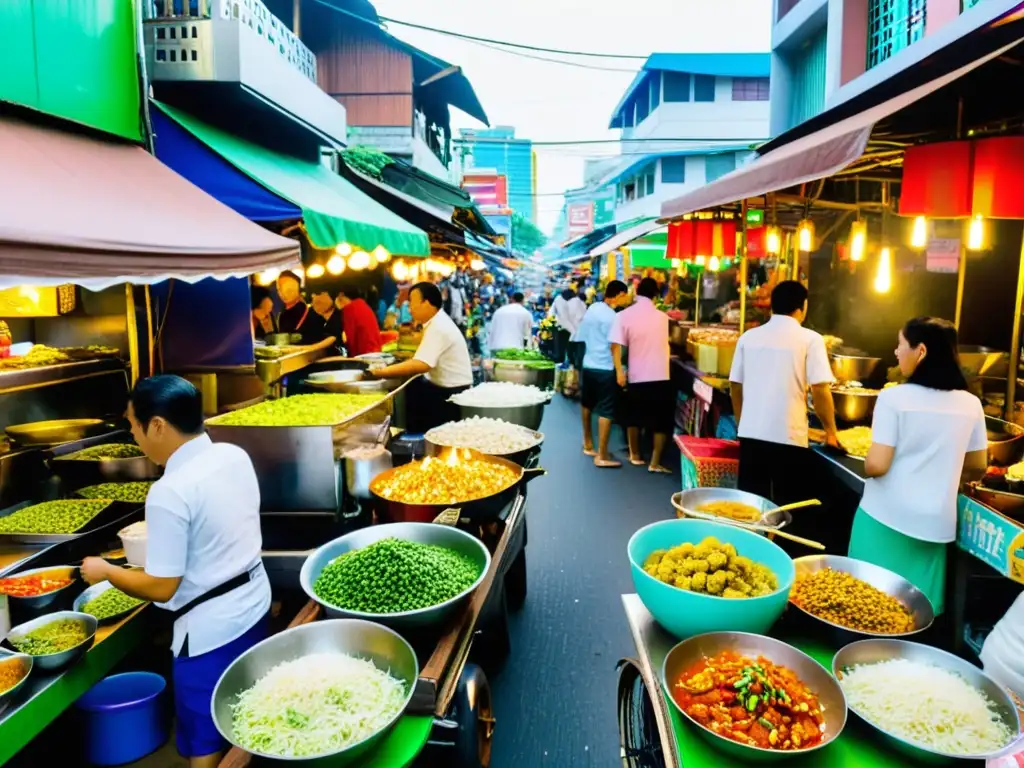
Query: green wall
[75, 59]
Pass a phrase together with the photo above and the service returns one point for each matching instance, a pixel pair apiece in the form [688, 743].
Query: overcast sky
[555, 102]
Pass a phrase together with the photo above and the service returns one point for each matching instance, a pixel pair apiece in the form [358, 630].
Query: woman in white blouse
[927, 437]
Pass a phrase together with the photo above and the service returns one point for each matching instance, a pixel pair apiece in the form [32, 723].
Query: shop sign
[755, 217]
[943, 255]
[581, 219]
[992, 538]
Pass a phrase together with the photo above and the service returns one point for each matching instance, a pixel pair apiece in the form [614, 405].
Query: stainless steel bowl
[341, 376]
[529, 416]
[91, 594]
[984, 361]
[690, 501]
[41, 601]
[434, 448]
[357, 387]
[22, 660]
[424, 533]
[517, 372]
[854, 406]
[364, 639]
[1005, 442]
[811, 673]
[54, 661]
[874, 651]
[56, 431]
[891, 583]
[853, 367]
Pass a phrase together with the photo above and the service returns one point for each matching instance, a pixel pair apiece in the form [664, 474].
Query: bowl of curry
[754, 697]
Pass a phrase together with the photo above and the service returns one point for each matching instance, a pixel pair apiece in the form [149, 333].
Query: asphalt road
[555, 698]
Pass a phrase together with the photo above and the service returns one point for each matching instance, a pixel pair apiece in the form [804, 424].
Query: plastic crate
[708, 462]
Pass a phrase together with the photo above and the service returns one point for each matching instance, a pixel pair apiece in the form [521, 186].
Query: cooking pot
[519, 457]
[482, 510]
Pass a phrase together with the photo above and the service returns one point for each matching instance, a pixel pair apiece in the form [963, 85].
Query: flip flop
[607, 463]
[659, 470]
[636, 462]
[591, 452]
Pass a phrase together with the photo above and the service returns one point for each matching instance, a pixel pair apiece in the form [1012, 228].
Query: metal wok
[482, 510]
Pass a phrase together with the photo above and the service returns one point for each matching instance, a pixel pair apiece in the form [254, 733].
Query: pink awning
[811, 157]
[75, 207]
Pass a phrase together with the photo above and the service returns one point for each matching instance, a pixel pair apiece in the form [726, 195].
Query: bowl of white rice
[515, 403]
[494, 437]
[928, 704]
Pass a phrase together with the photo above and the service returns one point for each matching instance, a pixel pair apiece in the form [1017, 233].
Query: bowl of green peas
[403, 575]
[105, 602]
[54, 640]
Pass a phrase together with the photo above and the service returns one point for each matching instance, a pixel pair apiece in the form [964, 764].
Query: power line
[589, 142]
[576, 64]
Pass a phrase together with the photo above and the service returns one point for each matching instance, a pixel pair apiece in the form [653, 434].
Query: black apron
[221, 589]
[427, 405]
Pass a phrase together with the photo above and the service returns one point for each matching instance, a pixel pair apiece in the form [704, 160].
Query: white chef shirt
[931, 431]
[575, 309]
[510, 327]
[775, 363]
[444, 349]
[203, 524]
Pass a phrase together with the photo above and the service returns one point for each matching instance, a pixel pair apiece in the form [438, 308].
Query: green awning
[648, 256]
[333, 210]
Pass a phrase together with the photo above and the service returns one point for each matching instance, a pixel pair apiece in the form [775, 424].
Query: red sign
[489, 189]
[581, 219]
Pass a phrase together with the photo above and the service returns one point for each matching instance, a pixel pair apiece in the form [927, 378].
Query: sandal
[607, 463]
[659, 470]
[636, 462]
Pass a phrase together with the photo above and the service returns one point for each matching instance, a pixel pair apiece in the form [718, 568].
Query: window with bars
[892, 26]
[750, 89]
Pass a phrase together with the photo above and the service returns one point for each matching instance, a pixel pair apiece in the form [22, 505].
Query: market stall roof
[579, 248]
[333, 210]
[812, 157]
[84, 210]
[624, 237]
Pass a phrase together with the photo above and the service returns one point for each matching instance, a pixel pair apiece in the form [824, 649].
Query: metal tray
[95, 591]
[112, 513]
[57, 431]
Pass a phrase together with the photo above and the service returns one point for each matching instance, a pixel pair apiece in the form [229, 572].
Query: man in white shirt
[780, 360]
[575, 309]
[560, 311]
[443, 356]
[511, 326]
[203, 557]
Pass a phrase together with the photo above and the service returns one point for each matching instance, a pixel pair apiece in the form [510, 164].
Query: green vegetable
[102, 452]
[111, 603]
[539, 365]
[752, 703]
[519, 354]
[56, 517]
[50, 638]
[320, 410]
[766, 724]
[130, 492]
[392, 576]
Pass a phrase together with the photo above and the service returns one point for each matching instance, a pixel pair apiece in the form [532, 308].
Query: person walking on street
[511, 327]
[560, 311]
[780, 359]
[600, 389]
[576, 310]
[642, 329]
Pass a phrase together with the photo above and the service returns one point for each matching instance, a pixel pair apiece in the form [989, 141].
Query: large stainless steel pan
[854, 406]
[519, 457]
[56, 431]
[850, 367]
[482, 510]
[984, 361]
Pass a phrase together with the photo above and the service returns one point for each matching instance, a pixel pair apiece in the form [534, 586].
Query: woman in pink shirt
[650, 399]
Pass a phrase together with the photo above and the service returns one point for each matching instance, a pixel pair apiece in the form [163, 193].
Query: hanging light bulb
[805, 236]
[447, 268]
[713, 264]
[315, 270]
[335, 265]
[359, 260]
[699, 261]
[400, 271]
[343, 249]
[773, 241]
[414, 271]
[919, 234]
[976, 234]
[477, 265]
[883, 278]
[858, 240]
[675, 263]
[381, 254]
[267, 276]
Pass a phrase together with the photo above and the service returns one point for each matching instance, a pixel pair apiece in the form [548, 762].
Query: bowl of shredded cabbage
[327, 691]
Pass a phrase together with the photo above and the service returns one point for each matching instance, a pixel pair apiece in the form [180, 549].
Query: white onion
[492, 436]
[501, 394]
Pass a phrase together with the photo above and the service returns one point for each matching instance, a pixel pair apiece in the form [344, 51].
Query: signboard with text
[581, 219]
[992, 538]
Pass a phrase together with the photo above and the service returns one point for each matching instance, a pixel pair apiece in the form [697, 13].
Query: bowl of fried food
[696, 576]
[730, 506]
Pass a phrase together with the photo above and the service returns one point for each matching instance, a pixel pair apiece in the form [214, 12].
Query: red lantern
[998, 182]
[757, 246]
[680, 240]
[937, 180]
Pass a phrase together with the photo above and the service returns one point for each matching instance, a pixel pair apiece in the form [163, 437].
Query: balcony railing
[184, 32]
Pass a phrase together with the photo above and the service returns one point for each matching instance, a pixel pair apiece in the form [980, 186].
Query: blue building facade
[499, 150]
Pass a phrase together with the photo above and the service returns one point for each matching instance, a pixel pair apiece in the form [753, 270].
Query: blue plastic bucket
[124, 720]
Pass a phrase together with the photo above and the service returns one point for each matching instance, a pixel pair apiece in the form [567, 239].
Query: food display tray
[95, 591]
[113, 513]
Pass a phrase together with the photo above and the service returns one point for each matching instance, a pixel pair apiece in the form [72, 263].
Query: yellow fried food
[712, 568]
[733, 510]
[434, 481]
[856, 440]
[850, 602]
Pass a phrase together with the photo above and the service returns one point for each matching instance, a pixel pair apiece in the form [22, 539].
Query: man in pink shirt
[650, 399]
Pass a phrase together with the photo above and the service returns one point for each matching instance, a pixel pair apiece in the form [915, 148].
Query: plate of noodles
[727, 505]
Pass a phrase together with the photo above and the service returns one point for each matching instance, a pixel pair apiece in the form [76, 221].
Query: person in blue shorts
[203, 553]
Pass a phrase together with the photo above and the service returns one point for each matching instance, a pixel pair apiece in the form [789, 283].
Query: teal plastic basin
[685, 613]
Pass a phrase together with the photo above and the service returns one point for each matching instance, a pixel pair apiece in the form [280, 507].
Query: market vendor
[772, 368]
[297, 316]
[362, 334]
[262, 312]
[928, 436]
[442, 356]
[203, 554]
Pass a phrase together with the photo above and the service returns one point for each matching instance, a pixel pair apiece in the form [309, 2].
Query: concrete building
[824, 52]
[686, 119]
[497, 149]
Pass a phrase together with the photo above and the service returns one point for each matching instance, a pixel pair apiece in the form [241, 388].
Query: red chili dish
[35, 585]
